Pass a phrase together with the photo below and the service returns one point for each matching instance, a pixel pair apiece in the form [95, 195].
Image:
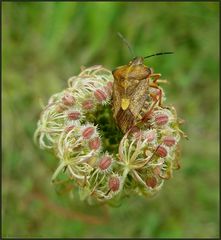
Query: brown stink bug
[131, 83]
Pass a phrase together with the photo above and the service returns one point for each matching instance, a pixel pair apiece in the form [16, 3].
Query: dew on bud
[74, 115]
[68, 99]
[94, 143]
[105, 162]
[87, 132]
[100, 95]
[87, 105]
[169, 141]
[114, 183]
[161, 151]
[151, 182]
[161, 119]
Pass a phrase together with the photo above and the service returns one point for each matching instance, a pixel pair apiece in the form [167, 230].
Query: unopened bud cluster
[147, 154]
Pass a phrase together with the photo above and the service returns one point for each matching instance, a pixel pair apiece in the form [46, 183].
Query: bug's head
[135, 69]
[136, 61]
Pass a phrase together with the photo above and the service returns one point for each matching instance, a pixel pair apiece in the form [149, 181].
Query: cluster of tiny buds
[147, 154]
[151, 151]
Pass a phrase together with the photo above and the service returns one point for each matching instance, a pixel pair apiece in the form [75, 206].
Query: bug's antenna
[156, 54]
[126, 42]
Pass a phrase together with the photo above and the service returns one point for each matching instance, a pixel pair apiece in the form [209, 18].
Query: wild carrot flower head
[142, 160]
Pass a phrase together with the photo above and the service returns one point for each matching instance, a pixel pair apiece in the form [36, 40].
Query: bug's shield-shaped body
[129, 92]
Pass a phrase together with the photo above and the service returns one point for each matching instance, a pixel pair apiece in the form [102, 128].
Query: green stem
[126, 171]
[57, 171]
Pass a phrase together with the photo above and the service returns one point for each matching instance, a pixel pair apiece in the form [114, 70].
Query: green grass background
[43, 45]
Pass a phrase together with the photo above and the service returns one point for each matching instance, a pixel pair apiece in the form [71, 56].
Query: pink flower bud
[108, 88]
[169, 141]
[100, 95]
[74, 115]
[138, 135]
[157, 170]
[136, 132]
[151, 182]
[88, 132]
[69, 128]
[94, 143]
[105, 162]
[156, 91]
[87, 105]
[68, 99]
[161, 119]
[114, 183]
[110, 85]
[161, 151]
[150, 136]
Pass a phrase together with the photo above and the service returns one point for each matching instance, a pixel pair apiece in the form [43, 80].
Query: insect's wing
[123, 118]
[130, 85]
[116, 99]
[138, 97]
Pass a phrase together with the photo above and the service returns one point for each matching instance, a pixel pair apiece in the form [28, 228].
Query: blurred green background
[46, 43]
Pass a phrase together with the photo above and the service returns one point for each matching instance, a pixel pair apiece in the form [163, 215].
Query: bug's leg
[155, 76]
[155, 85]
[154, 152]
[155, 100]
[156, 81]
[147, 114]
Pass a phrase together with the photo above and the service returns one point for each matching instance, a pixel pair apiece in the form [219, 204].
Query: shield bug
[130, 89]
